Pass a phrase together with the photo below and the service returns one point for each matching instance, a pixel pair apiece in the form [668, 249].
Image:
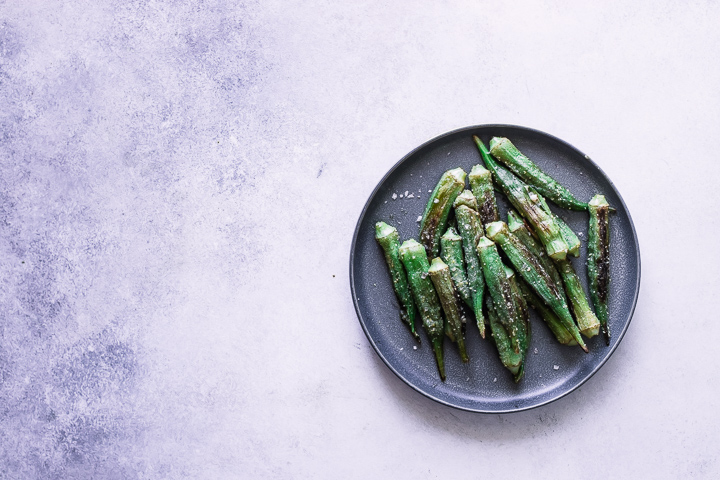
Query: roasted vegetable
[481, 185]
[523, 167]
[586, 319]
[451, 303]
[451, 251]
[530, 269]
[500, 291]
[551, 320]
[471, 231]
[434, 220]
[414, 258]
[519, 228]
[599, 259]
[573, 242]
[510, 359]
[526, 201]
[521, 306]
[389, 240]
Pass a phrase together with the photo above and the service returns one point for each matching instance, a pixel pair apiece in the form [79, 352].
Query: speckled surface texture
[179, 184]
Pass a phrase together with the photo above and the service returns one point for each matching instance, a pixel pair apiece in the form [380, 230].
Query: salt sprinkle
[419, 219]
[556, 367]
[495, 379]
[536, 351]
[394, 196]
[410, 196]
[436, 201]
[406, 193]
[401, 195]
[414, 347]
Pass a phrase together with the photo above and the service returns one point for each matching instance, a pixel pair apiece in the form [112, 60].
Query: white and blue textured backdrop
[179, 183]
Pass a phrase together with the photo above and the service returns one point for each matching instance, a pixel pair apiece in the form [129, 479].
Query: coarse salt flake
[419, 219]
[436, 201]
[394, 196]
[556, 367]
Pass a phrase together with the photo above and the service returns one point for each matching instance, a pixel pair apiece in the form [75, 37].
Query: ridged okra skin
[599, 259]
[389, 239]
[434, 220]
[521, 197]
[532, 272]
[450, 301]
[451, 251]
[551, 320]
[523, 167]
[500, 291]
[572, 240]
[523, 313]
[481, 185]
[518, 227]
[513, 361]
[415, 261]
[587, 322]
[471, 231]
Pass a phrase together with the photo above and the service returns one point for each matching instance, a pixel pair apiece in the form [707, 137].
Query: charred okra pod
[523, 167]
[526, 201]
[519, 228]
[551, 320]
[481, 185]
[510, 359]
[586, 320]
[389, 240]
[573, 242]
[451, 251]
[599, 259]
[521, 306]
[530, 269]
[416, 264]
[500, 291]
[471, 231]
[450, 301]
[434, 220]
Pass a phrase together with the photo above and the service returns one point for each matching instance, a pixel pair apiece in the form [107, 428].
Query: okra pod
[599, 259]
[389, 239]
[530, 269]
[434, 220]
[521, 306]
[510, 359]
[551, 320]
[523, 167]
[519, 228]
[588, 323]
[450, 301]
[481, 185]
[572, 240]
[414, 258]
[500, 290]
[471, 231]
[526, 202]
[451, 251]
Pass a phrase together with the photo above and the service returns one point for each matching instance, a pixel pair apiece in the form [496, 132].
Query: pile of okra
[480, 266]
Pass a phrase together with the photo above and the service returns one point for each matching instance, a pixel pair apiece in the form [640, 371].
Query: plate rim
[364, 211]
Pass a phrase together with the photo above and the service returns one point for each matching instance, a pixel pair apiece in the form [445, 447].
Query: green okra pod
[551, 320]
[521, 306]
[519, 228]
[450, 301]
[414, 258]
[531, 270]
[451, 251]
[587, 322]
[481, 185]
[500, 291]
[389, 239]
[599, 259]
[526, 202]
[572, 240]
[523, 167]
[510, 359]
[471, 231]
[434, 219]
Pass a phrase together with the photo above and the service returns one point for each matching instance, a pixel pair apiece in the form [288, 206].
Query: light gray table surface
[179, 184]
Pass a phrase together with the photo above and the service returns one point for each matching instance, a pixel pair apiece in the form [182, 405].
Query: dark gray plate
[483, 384]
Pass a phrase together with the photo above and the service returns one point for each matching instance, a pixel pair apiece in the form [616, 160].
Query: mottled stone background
[179, 183]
